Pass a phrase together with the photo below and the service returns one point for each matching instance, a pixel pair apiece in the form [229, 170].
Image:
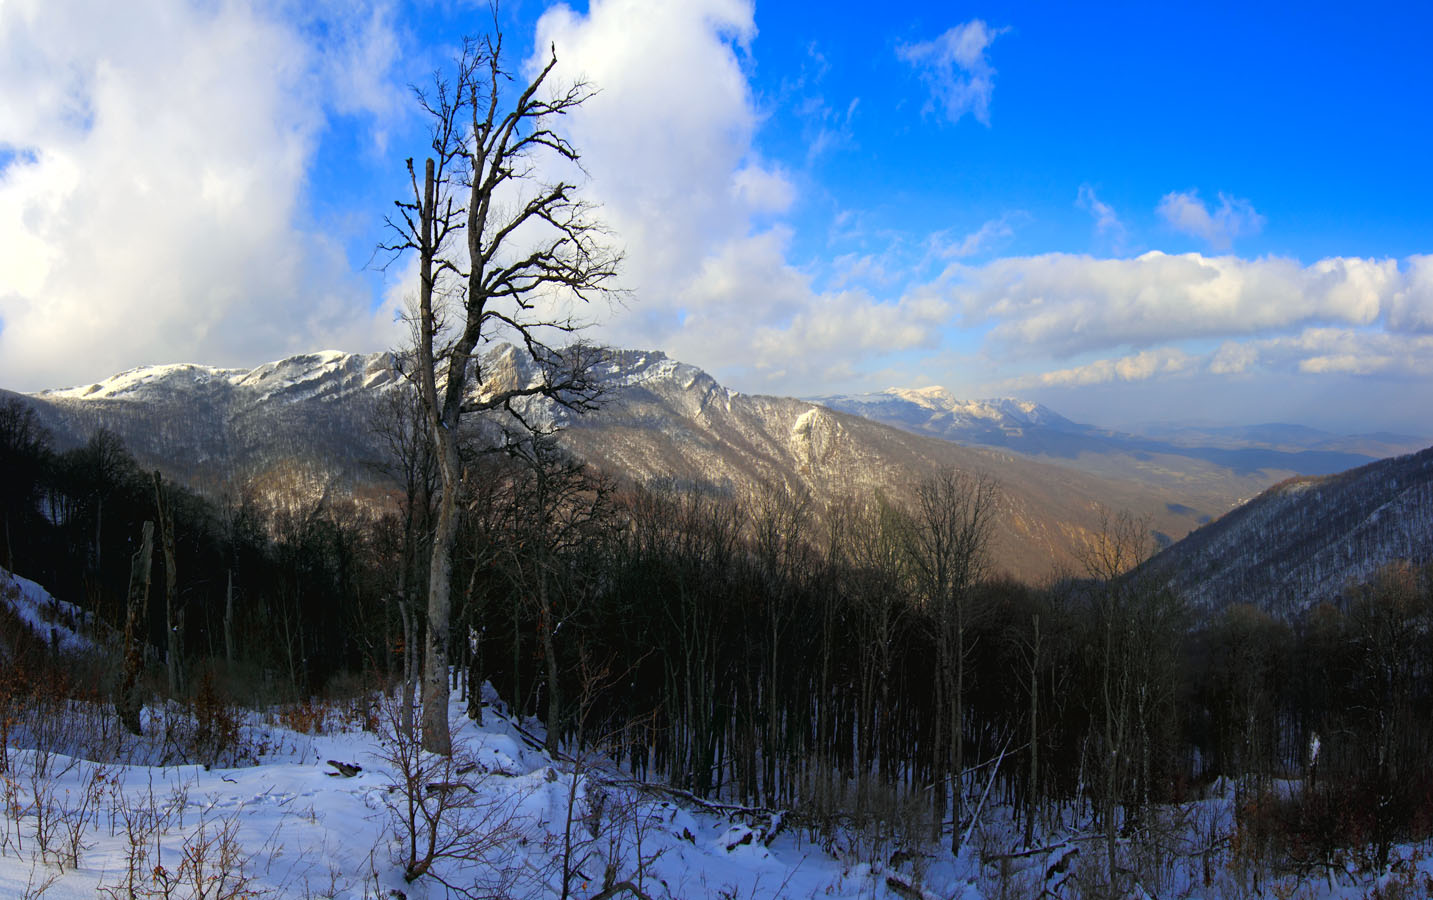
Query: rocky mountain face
[673, 422]
[1307, 540]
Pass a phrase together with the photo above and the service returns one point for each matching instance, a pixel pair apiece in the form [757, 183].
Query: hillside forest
[869, 674]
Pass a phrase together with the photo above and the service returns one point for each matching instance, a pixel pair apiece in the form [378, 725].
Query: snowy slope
[56, 623]
[91, 811]
[292, 827]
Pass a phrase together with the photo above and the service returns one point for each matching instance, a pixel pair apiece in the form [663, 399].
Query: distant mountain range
[306, 423]
[1036, 430]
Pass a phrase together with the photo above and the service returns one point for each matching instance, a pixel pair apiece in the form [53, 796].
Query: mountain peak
[137, 379]
[317, 371]
[934, 409]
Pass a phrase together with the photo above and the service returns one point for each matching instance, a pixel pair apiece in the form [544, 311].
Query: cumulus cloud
[669, 142]
[1184, 211]
[152, 204]
[954, 68]
[1142, 366]
[763, 190]
[1063, 304]
[668, 137]
[1412, 307]
[1347, 351]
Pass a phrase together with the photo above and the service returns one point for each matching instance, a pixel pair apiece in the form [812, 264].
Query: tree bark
[436, 736]
[1031, 788]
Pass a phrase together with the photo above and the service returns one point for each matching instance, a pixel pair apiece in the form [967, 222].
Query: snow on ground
[289, 827]
[292, 826]
[56, 622]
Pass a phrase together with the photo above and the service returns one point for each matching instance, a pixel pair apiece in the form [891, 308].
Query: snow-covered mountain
[298, 417]
[307, 421]
[326, 373]
[934, 410]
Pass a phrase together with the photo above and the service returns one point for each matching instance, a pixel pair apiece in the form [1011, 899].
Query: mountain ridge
[307, 419]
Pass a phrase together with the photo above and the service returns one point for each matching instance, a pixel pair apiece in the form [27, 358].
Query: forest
[872, 676]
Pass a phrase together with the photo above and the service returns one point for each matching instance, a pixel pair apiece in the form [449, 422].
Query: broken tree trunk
[127, 701]
[173, 609]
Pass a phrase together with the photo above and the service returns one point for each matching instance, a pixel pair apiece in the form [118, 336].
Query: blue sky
[1143, 212]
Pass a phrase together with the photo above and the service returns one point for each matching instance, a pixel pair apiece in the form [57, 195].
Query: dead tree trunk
[127, 701]
[546, 242]
[173, 609]
[229, 621]
[1032, 792]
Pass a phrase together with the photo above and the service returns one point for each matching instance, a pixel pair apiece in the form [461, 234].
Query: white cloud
[954, 67]
[1062, 304]
[942, 246]
[1329, 351]
[1412, 307]
[1107, 222]
[154, 207]
[1234, 358]
[1318, 351]
[669, 143]
[668, 137]
[763, 190]
[1186, 212]
[1142, 366]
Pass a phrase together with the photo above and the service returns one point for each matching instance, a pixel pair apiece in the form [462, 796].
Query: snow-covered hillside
[292, 826]
[59, 625]
[1307, 540]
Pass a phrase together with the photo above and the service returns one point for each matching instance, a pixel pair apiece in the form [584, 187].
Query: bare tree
[948, 546]
[401, 425]
[1135, 629]
[529, 240]
[562, 511]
